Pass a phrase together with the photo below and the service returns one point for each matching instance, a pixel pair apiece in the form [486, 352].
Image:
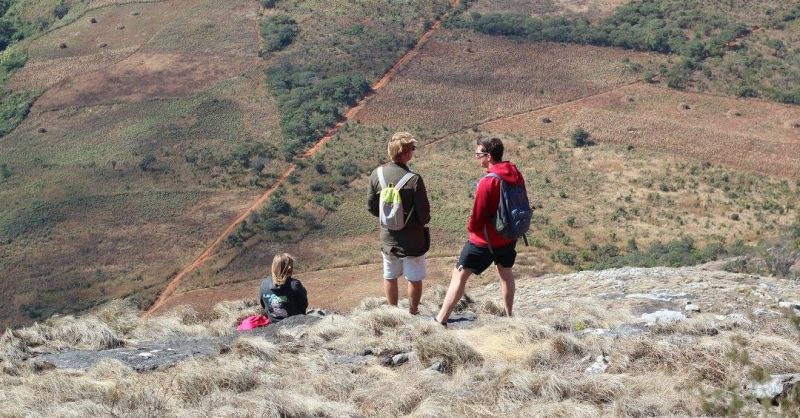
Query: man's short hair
[400, 143]
[492, 145]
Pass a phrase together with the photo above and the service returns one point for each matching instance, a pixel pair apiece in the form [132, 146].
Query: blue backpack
[513, 218]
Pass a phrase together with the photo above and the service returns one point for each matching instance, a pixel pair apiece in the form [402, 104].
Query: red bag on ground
[254, 321]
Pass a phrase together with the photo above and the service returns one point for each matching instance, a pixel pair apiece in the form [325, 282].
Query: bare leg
[414, 295]
[390, 289]
[507, 287]
[454, 293]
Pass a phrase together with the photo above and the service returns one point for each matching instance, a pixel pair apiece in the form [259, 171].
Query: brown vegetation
[447, 87]
[687, 124]
[142, 77]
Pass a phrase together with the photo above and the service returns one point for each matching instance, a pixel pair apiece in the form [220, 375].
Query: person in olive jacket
[403, 251]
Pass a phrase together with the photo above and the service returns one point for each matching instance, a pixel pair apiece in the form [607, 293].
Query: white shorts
[412, 267]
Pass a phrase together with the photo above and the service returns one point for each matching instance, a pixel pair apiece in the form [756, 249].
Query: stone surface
[399, 359]
[463, 320]
[145, 356]
[150, 355]
[599, 366]
[691, 307]
[438, 366]
[776, 386]
[663, 316]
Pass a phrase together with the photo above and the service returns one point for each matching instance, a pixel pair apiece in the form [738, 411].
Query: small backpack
[390, 205]
[513, 218]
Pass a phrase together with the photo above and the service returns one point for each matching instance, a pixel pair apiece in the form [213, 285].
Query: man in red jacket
[485, 245]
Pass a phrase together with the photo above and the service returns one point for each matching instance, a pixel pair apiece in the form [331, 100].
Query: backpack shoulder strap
[403, 180]
[381, 178]
[495, 175]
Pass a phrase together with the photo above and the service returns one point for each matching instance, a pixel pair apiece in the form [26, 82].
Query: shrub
[347, 169]
[579, 138]
[278, 32]
[11, 61]
[14, 107]
[268, 4]
[278, 205]
[321, 186]
[327, 201]
[8, 34]
[564, 257]
[274, 224]
[147, 162]
[5, 171]
[61, 10]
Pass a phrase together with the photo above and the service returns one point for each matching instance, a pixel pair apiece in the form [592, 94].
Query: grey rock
[766, 313]
[150, 355]
[663, 316]
[438, 366]
[464, 320]
[691, 307]
[774, 388]
[399, 359]
[664, 296]
[599, 366]
[146, 356]
[790, 305]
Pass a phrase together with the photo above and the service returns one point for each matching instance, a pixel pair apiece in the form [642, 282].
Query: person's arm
[483, 210]
[261, 292]
[421, 204]
[372, 199]
[300, 296]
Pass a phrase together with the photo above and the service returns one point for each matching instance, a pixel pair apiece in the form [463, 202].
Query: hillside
[622, 342]
[169, 147]
[153, 127]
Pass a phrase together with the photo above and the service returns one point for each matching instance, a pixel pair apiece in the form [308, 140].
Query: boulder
[599, 366]
[774, 388]
[663, 316]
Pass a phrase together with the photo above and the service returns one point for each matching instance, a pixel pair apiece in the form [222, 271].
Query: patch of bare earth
[141, 77]
[592, 8]
[39, 75]
[743, 134]
[463, 78]
[115, 27]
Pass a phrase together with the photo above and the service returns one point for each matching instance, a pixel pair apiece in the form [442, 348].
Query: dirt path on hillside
[377, 86]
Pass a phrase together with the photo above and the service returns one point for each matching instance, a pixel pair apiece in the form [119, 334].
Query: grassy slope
[80, 218]
[587, 198]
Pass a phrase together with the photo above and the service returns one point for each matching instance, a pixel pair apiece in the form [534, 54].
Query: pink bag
[254, 321]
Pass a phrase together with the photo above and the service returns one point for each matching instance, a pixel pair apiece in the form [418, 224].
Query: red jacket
[487, 198]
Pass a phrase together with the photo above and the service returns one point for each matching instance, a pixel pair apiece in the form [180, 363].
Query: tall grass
[307, 370]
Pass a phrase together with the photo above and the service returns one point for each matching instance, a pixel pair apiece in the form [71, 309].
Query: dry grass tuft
[443, 346]
[657, 395]
[256, 347]
[59, 332]
[492, 307]
[733, 113]
[560, 351]
[195, 379]
[699, 325]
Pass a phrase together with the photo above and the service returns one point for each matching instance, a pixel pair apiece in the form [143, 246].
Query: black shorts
[478, 259]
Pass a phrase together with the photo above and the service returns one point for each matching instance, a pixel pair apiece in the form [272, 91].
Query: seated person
[282, 296]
